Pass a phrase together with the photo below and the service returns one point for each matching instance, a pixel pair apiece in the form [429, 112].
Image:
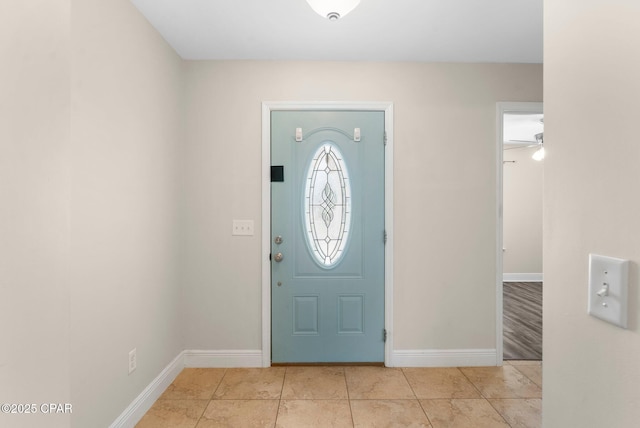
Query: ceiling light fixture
[333, 9]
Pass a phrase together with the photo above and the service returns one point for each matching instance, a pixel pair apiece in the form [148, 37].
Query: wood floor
[522, 320]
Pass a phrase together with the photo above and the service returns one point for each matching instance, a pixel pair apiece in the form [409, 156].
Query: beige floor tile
[502, 382]
[388, 414]
[319, 397]
[532, 372]
[240, 414]
[429, 383]
[520, 413]
[314, 413]
[173, 414]
[194, 384]
[462, 413]
[377, 383]
[305, 383]
[251, 384]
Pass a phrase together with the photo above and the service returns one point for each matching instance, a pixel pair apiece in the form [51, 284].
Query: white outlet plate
[242, 227]
[133, 360]
[608, 289]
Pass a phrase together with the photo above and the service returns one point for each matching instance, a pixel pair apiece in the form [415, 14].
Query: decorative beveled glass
[327, 205]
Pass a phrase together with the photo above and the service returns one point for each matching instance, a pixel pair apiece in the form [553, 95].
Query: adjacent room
[522, 185]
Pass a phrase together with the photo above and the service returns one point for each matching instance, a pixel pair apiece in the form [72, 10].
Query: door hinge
[384, 237]
[384, 334]
[385, 138]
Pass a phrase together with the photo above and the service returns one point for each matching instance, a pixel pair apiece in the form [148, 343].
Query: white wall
[444, 191]
[126, 126]
[522, 202]
[592, 173]
[34, 217]
[90, 133]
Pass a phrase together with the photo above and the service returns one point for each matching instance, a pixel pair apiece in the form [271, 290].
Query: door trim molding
[501, 109]
[267, 108]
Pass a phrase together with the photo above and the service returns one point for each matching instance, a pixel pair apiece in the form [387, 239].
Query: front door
[327, 243]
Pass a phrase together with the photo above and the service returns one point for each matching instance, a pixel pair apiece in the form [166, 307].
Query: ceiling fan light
[539, 154]
[333, 9]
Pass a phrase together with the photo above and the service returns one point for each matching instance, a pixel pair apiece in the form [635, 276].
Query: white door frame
[501, 109]
[267, 108]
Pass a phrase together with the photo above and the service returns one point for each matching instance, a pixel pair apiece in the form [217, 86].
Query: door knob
[278, 257]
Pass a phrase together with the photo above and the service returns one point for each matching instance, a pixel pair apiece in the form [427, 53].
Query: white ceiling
[377, 30]
[520, 129]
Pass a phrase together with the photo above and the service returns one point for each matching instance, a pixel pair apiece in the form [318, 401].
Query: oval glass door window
[327, 205]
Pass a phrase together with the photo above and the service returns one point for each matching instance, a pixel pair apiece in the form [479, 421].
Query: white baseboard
[522, 277]
[143, 402]
[209, 359]
[445, 358]
[189, 358]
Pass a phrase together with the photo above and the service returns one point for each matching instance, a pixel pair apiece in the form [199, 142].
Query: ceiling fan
[538, 140]
[522, 144]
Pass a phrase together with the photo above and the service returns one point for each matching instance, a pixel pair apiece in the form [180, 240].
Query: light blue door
[327, 227]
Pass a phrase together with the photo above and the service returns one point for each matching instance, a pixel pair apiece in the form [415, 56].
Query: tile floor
[492, 397]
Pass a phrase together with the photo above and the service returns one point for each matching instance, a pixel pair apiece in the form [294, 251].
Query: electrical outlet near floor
[133, 360]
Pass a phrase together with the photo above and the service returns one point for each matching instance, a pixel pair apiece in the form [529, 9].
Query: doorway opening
[519, 281]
